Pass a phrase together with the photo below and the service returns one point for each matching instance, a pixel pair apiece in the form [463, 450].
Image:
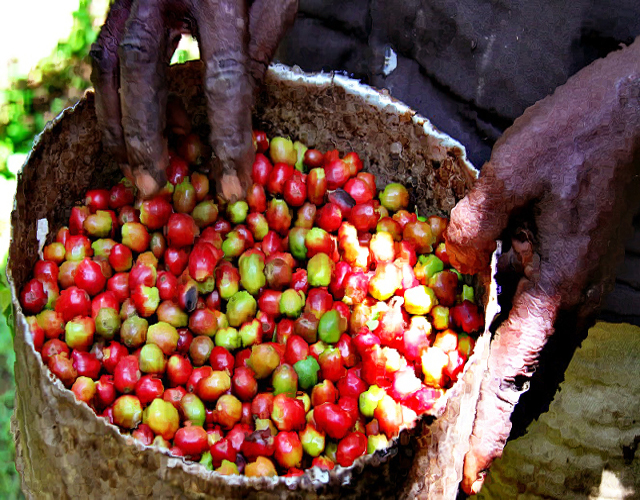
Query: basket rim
[312, 479]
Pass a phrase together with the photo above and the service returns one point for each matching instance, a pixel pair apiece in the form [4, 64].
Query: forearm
[570, 162]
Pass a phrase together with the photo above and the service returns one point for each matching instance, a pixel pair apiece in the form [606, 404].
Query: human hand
[237, 40]
[571, 162]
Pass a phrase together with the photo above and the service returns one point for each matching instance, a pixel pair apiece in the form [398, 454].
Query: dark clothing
[470, 67]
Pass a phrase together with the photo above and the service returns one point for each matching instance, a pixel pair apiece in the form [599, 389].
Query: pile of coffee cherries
[302, 327]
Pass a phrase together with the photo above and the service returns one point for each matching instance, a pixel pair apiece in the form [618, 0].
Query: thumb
[513, 177]
[513, 355]
[478, 220]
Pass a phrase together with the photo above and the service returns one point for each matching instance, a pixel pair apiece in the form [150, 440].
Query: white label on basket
[42, 232]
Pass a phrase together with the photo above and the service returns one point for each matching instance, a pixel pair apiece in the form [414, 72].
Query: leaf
[5, 298]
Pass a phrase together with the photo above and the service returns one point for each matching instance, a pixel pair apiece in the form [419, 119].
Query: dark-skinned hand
[571, 157]
[237, 40]
[572, 160]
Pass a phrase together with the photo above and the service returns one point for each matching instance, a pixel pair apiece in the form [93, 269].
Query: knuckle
[115, 146]
[139, 45]
[512, 388]
[104, 56]
[112, 138]
[259, 65]
[223, 73]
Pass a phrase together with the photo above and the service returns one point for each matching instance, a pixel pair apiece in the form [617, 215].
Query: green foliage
[187, 51]
[58, 82]
[9, 479]
[25, 107]
[31, 101]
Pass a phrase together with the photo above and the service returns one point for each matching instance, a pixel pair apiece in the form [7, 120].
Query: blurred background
[44, 68]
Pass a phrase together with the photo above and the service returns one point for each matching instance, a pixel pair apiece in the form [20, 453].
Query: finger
[143, 94]
[521, 259]
[269, 20]
[478, 220]
[223, 40]
[512, 359]
[230, 186]
[105, 77]
[514, 176]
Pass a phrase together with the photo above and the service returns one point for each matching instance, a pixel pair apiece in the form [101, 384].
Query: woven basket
[65, 451]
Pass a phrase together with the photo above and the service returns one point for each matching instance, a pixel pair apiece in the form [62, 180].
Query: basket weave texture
[65, 451]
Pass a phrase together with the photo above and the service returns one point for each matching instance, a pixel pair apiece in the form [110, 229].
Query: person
[562, 169]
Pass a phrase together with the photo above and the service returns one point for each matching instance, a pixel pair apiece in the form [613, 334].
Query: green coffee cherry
[377, 442]
[368, 400]
[107, 323]
[297, 247]
[313, 441]
[251, 333]
[307, 370]
[133, 332]
[431, 265]
[227, 468]
[252, 272]
[291, 303]
[193, 409]
[300, 149]
[319, 270]
[330, 327]
[330, 450]
[152, 359]
[229, 338]
[419, 300]
[241, 308]
[285, 380]
[468, 293]
[440, 316]
[233, 245]
[206, 460]
[264, 360]
[394, 197]
[237, 211]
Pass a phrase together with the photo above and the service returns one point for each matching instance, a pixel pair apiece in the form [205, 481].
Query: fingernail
[230, 187]
[146, 184]
[477, 486]
[126, 170]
